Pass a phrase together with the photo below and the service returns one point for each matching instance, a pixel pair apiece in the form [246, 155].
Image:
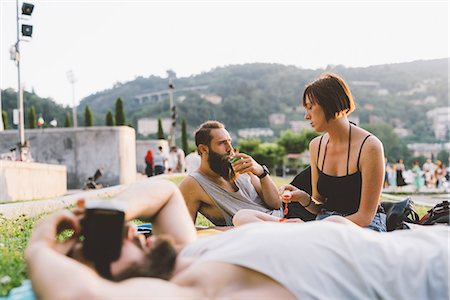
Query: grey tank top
[327, 260]
[229, 203]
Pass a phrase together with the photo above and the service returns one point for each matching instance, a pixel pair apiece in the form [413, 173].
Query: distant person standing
[193, 161]
[417, 176]
[387, 167]
[173, 159]
[428, 172]
[400, 170]
[160, 160]
[393, 175]
[149, 163]
[181, 166]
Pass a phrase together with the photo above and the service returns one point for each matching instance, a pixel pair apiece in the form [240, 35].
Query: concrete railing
[28, 181]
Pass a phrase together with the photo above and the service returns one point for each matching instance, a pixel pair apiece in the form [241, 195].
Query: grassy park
[14, 234]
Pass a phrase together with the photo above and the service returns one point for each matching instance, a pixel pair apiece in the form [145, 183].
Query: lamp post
[173, 114]
[72, 80]
[27, 31]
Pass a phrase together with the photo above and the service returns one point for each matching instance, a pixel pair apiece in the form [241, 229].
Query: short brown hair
[332, 93]
[203, 133]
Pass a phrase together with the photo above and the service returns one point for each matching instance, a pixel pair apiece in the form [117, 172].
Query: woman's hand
[296, 194]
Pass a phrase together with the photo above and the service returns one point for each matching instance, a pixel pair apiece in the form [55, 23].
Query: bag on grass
[440, 213]
[303, 182]
[398, 214]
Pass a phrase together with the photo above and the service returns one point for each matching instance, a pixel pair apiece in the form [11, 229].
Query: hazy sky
[104, 42]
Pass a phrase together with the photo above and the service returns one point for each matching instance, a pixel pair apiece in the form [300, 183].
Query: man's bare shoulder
[191, 190]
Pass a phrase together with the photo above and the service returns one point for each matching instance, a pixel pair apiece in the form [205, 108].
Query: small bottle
[234, 159]
[287, 195]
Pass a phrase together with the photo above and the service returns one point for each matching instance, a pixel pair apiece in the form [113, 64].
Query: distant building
[369, 106]
[214, 99]
[382, 92]
[298, 126]
[375, 119]
[148, 126]
[440, 120]
[419, 88]
[401, 132]
[374, 84]
[277, 119]
[255, 132]
[428, 150]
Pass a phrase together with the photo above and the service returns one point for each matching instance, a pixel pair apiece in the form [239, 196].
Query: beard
[159, 262]
[221, 166]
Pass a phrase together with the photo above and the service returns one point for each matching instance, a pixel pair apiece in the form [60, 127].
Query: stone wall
[82, 150]
[29, 181]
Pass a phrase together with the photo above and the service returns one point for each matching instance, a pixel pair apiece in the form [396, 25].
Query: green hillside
[395, 94]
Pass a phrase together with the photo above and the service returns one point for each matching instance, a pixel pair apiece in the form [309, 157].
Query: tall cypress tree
[184, 142]
[5, 119]
[67, 122]
[109, 119]
[160, 130]
[32, 118]
[88, 119]
[120, 112]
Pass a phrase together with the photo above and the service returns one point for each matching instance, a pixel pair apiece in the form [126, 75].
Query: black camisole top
[342, 193]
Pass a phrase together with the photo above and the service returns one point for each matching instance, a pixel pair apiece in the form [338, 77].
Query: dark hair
[159, 263]
[332, 93]
[203, 133]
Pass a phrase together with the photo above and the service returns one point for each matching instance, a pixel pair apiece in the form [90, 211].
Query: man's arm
[191, 191]
[265, 187]
[267, 190]
[70, 279]
[163, 202]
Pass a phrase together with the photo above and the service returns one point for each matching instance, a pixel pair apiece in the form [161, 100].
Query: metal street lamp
[27, 30]
[173, 114]
[72, 80]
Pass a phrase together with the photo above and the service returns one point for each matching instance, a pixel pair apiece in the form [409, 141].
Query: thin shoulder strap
[318, 152]
[360, 149]
[349, 142]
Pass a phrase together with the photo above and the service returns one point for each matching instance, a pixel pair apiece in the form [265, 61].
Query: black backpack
[439, 214]
[303, 182]
[398, 214]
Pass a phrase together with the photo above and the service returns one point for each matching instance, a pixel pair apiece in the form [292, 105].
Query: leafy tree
[293, 142]
[109, 119]
[161, 135]
[184, 141]
[67, 122]
[269, 154]
[443, 156]
[5, 119]
[88, 119]
[248, 146]
[32, 118]
[120, 113]
[394, 148]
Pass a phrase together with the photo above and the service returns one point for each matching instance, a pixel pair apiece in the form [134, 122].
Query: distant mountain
[249, 93]
[243, 96]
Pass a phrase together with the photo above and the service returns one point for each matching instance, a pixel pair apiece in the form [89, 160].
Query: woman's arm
[312, 202]
[372, 173]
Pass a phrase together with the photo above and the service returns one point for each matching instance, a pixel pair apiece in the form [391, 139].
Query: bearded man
[218, 189]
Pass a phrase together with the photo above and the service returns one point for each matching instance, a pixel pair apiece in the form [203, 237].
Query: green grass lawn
[14, 235]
